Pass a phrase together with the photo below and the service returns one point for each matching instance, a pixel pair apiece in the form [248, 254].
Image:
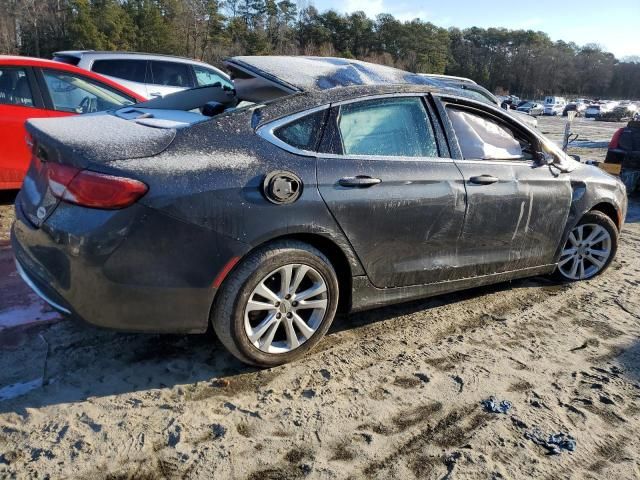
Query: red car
[36, 88]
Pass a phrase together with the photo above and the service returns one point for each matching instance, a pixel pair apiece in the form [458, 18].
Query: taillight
[93, 189]
[615, 140]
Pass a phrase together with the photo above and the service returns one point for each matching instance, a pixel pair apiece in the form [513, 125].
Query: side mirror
[211, 109]
[544, 158]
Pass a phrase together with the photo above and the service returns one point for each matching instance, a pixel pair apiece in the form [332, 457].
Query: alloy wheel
[286, 308]
[586, 252]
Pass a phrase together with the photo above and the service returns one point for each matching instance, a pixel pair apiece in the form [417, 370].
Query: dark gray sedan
[335, 186]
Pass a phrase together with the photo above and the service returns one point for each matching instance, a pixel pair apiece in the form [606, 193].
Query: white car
[148, 75]
[554, 105]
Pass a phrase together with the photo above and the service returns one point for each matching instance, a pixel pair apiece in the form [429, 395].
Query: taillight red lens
[615, 140]
[93, 189]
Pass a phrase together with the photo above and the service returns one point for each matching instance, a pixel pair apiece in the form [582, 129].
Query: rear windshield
[68, 59]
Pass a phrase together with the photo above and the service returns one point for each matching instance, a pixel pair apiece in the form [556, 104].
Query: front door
[517, 208]
[400, 204]
[18, 103]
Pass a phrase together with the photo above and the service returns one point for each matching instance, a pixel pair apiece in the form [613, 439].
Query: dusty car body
[265, 220]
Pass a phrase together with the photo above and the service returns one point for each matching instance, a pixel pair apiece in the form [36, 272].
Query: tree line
[522, 62]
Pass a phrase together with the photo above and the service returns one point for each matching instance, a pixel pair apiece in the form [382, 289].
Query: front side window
[77, 94]
[171, 74]
[484, 138]
[397, 127]
[207, 76]
[131, 70]
[14, 87]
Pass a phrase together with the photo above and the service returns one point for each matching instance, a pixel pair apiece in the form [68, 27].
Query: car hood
[259, 79]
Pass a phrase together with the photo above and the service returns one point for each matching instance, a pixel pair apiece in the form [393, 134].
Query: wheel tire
[593, 218]
[228, 312]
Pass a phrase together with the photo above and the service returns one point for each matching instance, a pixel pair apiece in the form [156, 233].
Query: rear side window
[303, 133]
[132, 70]
[207, 76]
[171, 74]
[397, 127]
[15, 88]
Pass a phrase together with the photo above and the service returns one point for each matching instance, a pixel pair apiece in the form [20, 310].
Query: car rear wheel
[276, 304]
[589, 249]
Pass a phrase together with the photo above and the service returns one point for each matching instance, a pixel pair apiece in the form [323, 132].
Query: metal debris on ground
[492, 405]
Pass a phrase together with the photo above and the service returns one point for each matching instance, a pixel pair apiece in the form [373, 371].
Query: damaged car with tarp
[316, 186]
[623, 155]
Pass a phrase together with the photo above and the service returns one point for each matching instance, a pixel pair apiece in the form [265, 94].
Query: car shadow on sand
[82, 361]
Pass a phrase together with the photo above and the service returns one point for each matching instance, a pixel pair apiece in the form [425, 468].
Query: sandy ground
[391, 393]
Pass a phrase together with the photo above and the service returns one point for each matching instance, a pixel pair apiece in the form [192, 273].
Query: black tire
[227, 315]
[597, 218]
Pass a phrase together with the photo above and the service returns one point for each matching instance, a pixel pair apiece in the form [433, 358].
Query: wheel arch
[610, 211]
[339, 259]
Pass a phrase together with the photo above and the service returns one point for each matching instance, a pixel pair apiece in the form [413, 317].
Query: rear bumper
[136, 270]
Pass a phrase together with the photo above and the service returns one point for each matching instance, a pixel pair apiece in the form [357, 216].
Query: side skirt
[365, 295]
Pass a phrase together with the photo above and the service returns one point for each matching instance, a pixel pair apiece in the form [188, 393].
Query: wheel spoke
[266, 292]
[574, 267]
[595, 261]
[314, 291]
[580, 233]
[565, 261]
[254, 305]
[305, 329]
[285, 280]
[597, 235]
[261, 329]
[599, 253]
[269, 338]
[300, 274]
[569, 251]
[309, 304]
[292, 336]
[581, 263]
[573, 239]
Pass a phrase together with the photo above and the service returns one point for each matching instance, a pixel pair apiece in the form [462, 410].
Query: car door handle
[484, 180]
[360, 181]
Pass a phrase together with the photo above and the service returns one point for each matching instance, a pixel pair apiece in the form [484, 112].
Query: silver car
[146, 74]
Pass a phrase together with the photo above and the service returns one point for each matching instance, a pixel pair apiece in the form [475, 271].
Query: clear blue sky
[613, 24]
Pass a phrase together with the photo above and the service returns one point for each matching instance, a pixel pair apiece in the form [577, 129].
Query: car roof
[302, 74]
[141, 55]
[15, 60]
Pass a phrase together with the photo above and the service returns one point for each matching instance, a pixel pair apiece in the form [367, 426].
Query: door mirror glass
[211, 109]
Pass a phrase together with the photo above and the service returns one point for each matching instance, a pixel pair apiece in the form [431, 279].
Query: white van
[554, 105]
[149, 75]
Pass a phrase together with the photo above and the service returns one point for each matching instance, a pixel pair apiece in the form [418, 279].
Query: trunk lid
[80, 142]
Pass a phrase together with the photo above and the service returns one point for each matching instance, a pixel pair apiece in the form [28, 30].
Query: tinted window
[132, 70]
[484, 138]
[74, 93]
[15, 88]
[207, 76]
[302, 133]
[390, 127]
[171, 74]
[68, 59]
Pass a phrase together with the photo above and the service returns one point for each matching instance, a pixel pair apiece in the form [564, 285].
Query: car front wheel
[277, 304]
[589, 249]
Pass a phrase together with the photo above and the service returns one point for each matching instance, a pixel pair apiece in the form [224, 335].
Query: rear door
[388, 182]
[517, 208]
[19, 101]
[131, 73]
[169, 77]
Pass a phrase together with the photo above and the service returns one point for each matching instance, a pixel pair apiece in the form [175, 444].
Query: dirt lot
[391, 393]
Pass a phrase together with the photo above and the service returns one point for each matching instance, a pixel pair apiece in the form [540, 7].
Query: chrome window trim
[267, 131]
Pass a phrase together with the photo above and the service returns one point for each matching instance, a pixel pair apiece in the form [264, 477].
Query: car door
[517, 207]
[388, 182]
[169, 77]
[20, 100]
